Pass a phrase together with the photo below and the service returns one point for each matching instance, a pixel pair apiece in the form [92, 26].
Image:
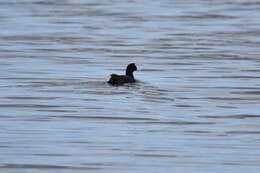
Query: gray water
[194, 109]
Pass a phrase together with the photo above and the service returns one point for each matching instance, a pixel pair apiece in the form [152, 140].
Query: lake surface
[195, 108]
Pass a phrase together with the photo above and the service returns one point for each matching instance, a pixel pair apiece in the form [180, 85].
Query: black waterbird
[122, 79]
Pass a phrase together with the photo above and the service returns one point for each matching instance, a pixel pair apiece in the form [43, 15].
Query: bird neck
[129, 73]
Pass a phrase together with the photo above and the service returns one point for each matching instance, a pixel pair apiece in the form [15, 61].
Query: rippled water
[194, 109]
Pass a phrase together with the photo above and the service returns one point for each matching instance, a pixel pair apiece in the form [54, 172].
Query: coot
[122, 79]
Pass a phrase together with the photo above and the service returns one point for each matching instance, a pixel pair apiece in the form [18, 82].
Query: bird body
[122, 79]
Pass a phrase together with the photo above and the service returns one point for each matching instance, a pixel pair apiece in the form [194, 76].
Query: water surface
[195, 107]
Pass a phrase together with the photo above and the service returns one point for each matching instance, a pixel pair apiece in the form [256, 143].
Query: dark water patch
[187, 106]
[250, 3]
[103, 118]
[64, 111]
[27, 106]
[70, 50]
[233, 98]
[238, 34]
[157, 155]
[153, 101]
[246, 92]
[101, 164]
[129, 166]
[205, 16]
[158, 99]
[34, 72]
[231, 164]
[90, 100]
[221, 98]
[254, 71]
[121, 56]
[143, 112]
[79, 142]
[42, 166]
[111, 44]
[197, 131]
[53, 155]
[243, 132]
[241, 116]
[4, 146]
[175, 123]
[37, 119]
[157, 131]
[10, 51]
[4, 116]
[30, 98]
[61, 90]
[93, 107]
[17, 3]
[227, 107]
[39, 38]
[151, 91]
